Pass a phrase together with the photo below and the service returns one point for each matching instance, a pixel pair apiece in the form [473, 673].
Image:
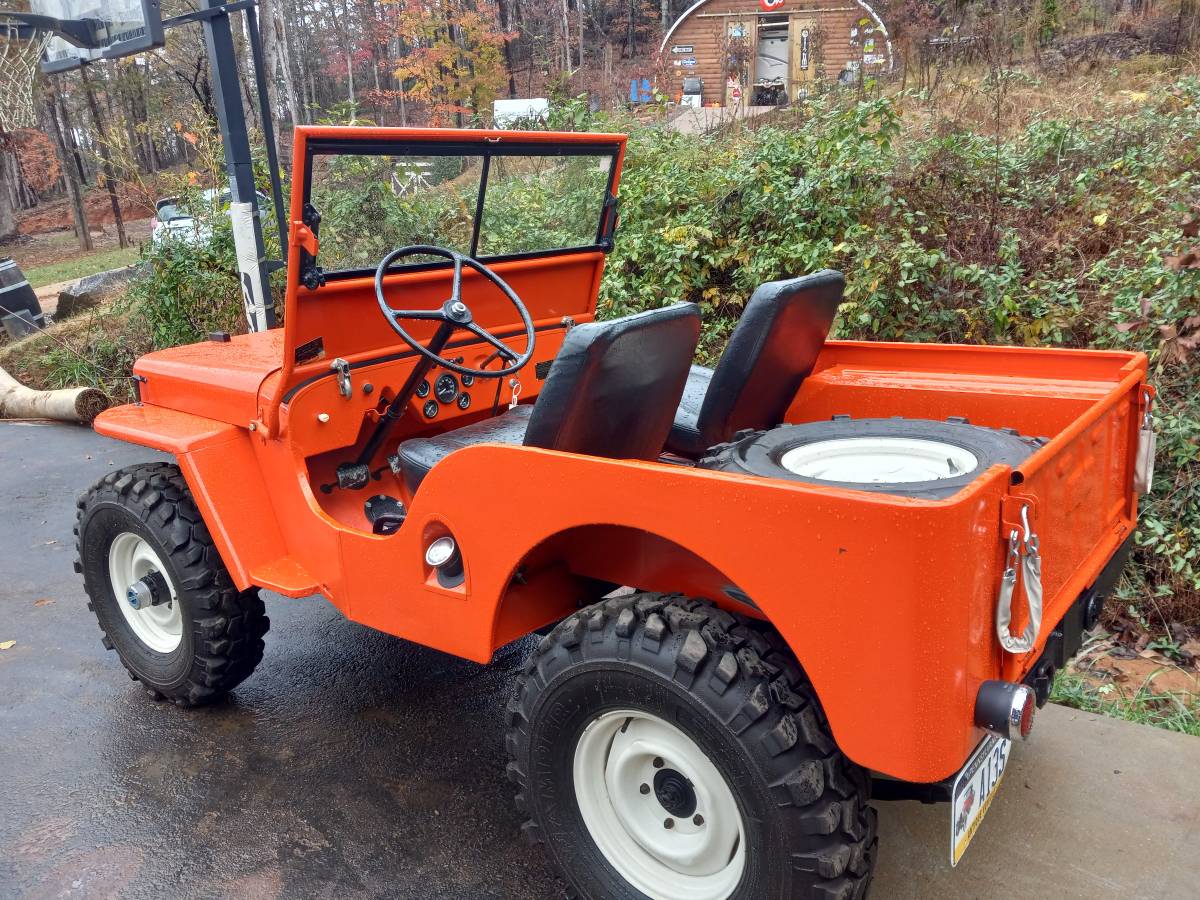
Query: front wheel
[163, 598]
[664, 748]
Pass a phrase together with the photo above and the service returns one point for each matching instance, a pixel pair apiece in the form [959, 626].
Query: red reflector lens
[1027, 714]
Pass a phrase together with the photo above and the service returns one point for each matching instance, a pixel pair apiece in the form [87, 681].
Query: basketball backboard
[87, 30]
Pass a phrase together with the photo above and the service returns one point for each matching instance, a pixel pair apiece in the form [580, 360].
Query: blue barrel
[15, 293]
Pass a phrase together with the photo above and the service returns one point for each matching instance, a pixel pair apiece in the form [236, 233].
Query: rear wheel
[665, 748]
[163, 598]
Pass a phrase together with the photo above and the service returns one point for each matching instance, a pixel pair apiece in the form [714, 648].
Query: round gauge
[464, 400]
[468, 380]
[430, 409]
[446, 388]
[423, 389]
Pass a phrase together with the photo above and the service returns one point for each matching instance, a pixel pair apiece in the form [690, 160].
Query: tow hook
[150, 590]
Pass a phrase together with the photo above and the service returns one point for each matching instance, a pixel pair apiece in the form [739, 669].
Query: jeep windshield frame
[490, 155]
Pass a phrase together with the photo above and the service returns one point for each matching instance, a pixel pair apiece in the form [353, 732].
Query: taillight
[1005, 709]
[153, 222]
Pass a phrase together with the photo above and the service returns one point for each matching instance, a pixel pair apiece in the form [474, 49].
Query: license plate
[974, 789]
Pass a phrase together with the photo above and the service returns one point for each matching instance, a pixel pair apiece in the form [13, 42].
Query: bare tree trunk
[67, 405]
[506, 27]
[66, 161]
[110, 176]
[8, 174]
[566, 33]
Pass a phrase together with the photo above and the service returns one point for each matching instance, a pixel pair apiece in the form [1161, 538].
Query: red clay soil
[56, 215]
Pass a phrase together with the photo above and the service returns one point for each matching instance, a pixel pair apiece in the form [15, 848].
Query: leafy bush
[187, 290]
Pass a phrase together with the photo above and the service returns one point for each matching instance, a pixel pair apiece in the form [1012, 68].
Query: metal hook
[1025, 522]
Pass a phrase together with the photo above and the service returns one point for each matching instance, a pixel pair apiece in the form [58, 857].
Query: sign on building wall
[771, 5]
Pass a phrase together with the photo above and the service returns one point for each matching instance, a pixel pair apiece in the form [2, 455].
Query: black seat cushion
[419, 455]
[771, 352]
[612, 391]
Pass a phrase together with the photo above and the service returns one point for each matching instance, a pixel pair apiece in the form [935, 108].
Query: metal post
[247, 228]
[264, 105]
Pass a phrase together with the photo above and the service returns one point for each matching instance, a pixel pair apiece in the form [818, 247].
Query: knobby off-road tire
[732, 688]
[144, 517]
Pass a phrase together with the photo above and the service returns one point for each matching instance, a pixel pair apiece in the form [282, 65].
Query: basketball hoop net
[19, 59]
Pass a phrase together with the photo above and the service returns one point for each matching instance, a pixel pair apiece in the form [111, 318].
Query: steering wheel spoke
[484, 334]
[426, 315]
[454, 312]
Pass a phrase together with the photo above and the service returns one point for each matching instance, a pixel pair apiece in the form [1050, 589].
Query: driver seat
[612, 391]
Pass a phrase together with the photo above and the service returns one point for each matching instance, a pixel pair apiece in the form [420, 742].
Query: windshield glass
[481, 202]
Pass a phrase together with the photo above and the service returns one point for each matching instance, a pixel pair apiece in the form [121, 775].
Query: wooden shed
[767, 52]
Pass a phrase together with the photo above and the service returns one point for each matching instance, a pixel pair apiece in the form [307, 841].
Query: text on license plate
[973, 791]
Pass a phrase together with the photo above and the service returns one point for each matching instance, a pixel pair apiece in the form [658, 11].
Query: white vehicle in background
[175, 220]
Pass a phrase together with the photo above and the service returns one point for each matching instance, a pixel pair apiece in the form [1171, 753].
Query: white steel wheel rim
[879, 460]
[131, 558]
[614, 758]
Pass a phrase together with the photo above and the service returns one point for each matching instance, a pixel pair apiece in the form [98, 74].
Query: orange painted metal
[887, 602]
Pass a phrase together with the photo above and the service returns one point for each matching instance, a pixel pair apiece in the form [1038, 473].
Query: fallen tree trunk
[66, 405]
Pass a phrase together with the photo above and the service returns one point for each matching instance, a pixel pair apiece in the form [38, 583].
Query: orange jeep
[819, 572]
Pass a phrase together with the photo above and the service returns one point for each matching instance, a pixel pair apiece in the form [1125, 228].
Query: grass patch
[1174, 712]
[78, 267]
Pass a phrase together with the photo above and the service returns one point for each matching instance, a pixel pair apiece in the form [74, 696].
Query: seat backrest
[614, 386]
[772, 350]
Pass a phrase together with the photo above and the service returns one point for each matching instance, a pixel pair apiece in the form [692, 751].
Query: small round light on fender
[444, 558]
[440, 552]
[1005, 709]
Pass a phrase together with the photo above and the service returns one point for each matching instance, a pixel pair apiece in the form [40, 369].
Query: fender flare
[213, 457]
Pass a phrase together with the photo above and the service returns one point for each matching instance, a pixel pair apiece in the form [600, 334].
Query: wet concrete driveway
[353, 764]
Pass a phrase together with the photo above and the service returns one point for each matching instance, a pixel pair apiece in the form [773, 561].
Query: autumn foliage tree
[455, 62]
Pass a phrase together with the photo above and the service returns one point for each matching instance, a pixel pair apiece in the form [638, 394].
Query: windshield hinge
[312, 276]
[611, 204]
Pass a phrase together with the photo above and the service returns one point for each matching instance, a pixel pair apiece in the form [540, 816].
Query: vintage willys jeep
[766, 589]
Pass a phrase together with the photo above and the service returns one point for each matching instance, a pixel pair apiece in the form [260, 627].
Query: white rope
[19, 61]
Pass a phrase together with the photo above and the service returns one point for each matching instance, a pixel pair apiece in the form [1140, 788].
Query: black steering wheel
[454, 313]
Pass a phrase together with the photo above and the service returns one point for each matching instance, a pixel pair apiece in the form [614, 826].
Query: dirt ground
[56, 215]
[44, 248]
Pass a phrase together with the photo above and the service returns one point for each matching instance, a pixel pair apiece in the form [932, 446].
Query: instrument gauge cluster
[446, 392]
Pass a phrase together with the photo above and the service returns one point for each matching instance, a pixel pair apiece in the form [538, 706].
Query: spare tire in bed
[908, 457]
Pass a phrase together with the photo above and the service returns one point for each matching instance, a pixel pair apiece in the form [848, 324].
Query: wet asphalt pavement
[351, 764]
[357, 765]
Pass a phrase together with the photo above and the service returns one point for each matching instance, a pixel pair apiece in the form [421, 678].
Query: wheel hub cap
[144, 593]
[658, 808]
[675, 793]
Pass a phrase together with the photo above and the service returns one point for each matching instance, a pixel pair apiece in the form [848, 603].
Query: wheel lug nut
[670, 823]
[698, 819]
[645, 789]
[658, 763]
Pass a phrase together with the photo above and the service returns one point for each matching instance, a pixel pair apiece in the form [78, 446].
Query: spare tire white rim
[131, 558]
[879, 460]
[658, 809]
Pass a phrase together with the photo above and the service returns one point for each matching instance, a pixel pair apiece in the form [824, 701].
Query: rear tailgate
[1081, 503]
